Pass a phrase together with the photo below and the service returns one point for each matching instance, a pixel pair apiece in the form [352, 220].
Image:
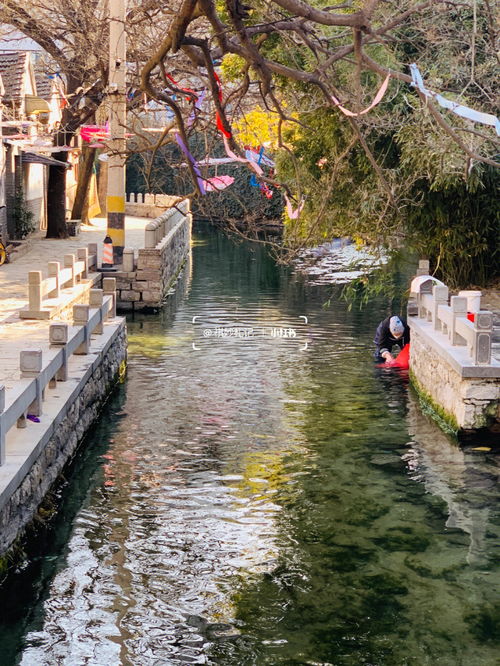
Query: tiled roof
[12, 64]
[43, 85]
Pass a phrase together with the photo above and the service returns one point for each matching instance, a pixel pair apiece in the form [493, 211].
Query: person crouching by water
[391, 331]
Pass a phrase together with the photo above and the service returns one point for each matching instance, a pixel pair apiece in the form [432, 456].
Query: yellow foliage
[257, 128]
[232, 67]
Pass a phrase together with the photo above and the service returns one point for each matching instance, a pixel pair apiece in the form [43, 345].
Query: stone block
[476, 391]
[148, 274]
[139, 286]
[129, 295]
[154, 285]
[58, 334]
[31, 362]
[151, 296]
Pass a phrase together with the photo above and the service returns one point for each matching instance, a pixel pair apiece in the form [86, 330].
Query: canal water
[257, 492]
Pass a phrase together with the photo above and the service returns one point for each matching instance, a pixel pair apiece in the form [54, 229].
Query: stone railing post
[150, 235]
[440, 296]
[83, 255]
[2, 429]
[35, 290]
[459, 309]
[109, 289]
[69, 262]
[96, 297]
[92, 252]
[58, 337]
[31, 367]
[128, 260]
[483, 329]
[423, 267]
[54, 268]
[81, 316]
[425, 288]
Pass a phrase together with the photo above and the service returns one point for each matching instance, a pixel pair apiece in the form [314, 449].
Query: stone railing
[143, 284]
[149, 205]
[156, 230]
[463, 326]
[451, 361]
[39, 373]
[40, 289]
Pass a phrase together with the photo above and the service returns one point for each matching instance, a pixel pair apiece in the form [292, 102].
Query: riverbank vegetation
[343, 99]
[362, 148]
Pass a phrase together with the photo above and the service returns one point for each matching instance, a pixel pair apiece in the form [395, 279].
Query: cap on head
[396, 326]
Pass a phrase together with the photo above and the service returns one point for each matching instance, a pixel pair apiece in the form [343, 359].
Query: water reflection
[465, 479]
[249, 503]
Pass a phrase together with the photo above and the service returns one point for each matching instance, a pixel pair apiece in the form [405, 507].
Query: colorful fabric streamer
[218, 183]
[377, 100]
[196, 169]
[293, 213]
[94, 132]
[458, 109]
[218, 119]
[253, 156]
[253, 180]
[197, 107]
[190, 92]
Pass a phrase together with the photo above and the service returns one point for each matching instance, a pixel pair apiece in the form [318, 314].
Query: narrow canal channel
[247, 501]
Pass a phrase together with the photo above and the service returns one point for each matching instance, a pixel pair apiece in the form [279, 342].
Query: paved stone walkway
[17, 334]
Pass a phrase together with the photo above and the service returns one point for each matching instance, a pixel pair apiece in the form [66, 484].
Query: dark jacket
[384, 340]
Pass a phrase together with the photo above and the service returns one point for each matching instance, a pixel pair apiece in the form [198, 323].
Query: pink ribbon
[218, 183]
[293, 213]
[256, 167]
[378, 98]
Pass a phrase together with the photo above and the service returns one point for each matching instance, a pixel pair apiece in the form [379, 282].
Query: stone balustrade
[149, 205]
[143, 284]
[451, 354]
[44, 293]
[451, 317]
[39, 372]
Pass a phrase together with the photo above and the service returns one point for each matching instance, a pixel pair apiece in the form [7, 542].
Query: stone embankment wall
[157, 267]
[463, 403]
[20, 501]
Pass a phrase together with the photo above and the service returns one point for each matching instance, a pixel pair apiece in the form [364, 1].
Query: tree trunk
[102, 187]
[82, 188]
[56, 199]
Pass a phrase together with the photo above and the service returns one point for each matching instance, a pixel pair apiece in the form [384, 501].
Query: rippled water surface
[252, 500]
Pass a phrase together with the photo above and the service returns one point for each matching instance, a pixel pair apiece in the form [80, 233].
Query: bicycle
[4, 255]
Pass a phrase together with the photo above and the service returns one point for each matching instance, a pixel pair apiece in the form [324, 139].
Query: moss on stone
[443, 418]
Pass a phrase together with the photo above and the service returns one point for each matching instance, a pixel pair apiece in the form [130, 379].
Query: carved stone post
[81, 315]
[31, 367]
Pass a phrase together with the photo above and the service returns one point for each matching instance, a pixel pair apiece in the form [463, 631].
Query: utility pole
[117, 121]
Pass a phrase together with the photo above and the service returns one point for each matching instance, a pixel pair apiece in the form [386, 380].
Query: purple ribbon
[185, 150]
[197, 107]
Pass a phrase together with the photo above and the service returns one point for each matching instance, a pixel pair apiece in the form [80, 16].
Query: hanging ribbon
[458, 109]
[253, 156]
[377, 100]
[293, 213]
[253, 180]
[94, 132]
[218, 119]
[197, 107]
[258, 170]
[190, 92]
[218, 183]
[264, 188]
[194, 163]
